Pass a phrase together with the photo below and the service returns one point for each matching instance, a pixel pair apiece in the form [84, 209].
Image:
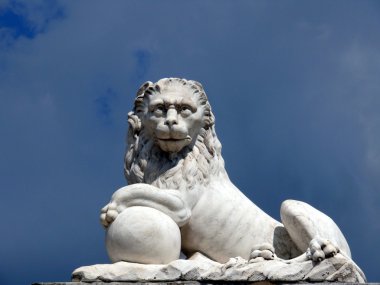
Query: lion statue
[174, 165]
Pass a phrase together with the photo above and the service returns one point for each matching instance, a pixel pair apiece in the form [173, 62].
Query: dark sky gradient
[294, 86]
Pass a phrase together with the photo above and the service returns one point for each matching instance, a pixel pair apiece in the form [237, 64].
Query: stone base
[201, 269]
[189, 283]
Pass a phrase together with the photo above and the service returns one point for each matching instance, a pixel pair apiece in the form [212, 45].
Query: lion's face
[173, 118]
[172, 142]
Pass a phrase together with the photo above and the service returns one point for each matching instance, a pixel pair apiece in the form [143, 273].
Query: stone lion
[174, 165]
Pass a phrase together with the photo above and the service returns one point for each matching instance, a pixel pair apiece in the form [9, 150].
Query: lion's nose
[171, 117]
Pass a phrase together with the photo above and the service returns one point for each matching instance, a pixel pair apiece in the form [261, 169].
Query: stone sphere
[143, 235]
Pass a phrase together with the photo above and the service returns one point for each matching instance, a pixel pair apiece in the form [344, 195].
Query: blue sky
[294, 83]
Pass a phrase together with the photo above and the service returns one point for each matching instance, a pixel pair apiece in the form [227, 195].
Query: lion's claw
[108, 214]
[103, 220]
[263, 252]
[320, 249]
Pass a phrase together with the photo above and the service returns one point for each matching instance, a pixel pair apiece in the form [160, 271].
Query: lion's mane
[194, 165]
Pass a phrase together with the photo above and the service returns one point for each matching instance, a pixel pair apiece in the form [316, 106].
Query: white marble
[174, 164]
[335, 269]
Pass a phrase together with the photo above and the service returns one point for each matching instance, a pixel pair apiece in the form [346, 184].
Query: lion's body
[174, 164]
[225, 224]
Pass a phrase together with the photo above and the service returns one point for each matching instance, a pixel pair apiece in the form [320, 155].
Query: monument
[179, 198]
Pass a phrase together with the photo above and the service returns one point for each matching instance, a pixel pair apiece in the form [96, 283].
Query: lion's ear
[139, 100]
[143, 87]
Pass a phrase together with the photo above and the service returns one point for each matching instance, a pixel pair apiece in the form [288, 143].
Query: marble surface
[174, 166]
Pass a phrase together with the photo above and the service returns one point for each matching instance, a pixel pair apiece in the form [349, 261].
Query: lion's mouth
[173, 144]
[174, 139]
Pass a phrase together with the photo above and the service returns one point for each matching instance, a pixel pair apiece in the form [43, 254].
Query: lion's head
[171, 138]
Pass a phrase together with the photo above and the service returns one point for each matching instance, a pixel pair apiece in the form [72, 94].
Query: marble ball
[143, 235]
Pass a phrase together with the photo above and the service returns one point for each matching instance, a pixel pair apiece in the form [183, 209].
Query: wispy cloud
[360, 66]
[104, 105]
[26, 19]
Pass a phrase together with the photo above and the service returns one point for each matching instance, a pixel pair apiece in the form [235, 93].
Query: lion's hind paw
[262, 252]
[320, 249]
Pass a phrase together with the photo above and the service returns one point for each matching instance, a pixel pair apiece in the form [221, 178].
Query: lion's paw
[108, 214]
[320, 249]
[262, 252]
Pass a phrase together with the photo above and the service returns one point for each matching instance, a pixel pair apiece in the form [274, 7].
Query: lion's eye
[185, 110]
[158, 110]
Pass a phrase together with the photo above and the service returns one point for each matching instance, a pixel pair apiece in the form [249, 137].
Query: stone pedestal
[201, 269]
[190, 283]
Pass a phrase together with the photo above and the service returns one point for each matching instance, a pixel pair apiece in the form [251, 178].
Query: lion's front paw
[108, 214]
[262, 252]
[320, 248]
